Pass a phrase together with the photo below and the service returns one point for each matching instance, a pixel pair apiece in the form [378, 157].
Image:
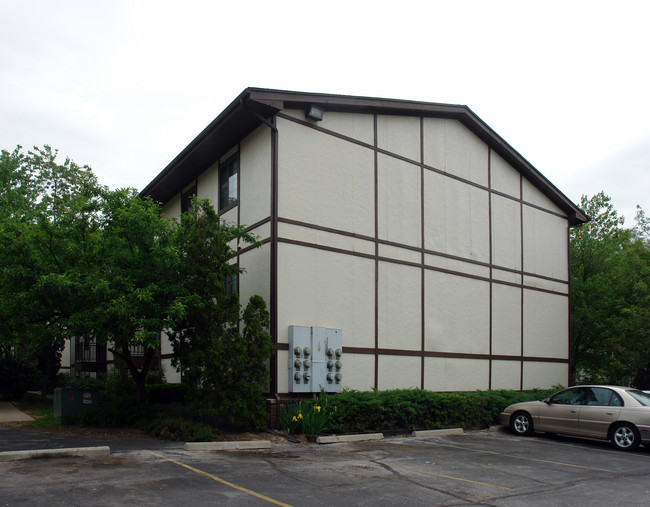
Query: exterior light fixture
[314, 113]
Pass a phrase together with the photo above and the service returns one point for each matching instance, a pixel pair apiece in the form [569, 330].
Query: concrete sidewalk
[9, 413]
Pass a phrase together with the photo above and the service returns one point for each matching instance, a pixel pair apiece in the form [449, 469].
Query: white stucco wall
[503, 177]
[257, 278]
[399, 197]
[172, 208]
[451, 374]
[326, 289]
[506, 233]
[207, 185]
[399, 135]
[356, 126]
[546, 324]
[324, 180]
[545, 244]
[506, 320]
[456, 218]
[457, 314]
[506, 375]
[255, 176]
[451, 147]
[532, 195]
[327, 184]
[544, 375]
[399, 372]
[399, 311]
[358, 370]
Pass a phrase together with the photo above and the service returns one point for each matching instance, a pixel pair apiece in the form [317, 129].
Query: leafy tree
[221, 367]
[133, 283]
[609, 297]
[239, 400]
[49, 215]
[80, 261]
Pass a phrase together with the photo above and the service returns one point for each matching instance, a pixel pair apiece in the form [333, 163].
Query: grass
[41, 411]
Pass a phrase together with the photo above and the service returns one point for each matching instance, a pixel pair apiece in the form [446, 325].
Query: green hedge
[16, 377]
[166, 393]
[409, 409]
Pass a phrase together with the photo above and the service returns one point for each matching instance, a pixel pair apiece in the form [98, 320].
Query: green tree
[79, 261]
[609, 297]
[133, 283]
[221, 367]
[49, 217]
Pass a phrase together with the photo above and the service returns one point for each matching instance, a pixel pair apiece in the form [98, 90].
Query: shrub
[16, 377]
[408, 409]
[166, 393]
[181, 429]
[123, 411]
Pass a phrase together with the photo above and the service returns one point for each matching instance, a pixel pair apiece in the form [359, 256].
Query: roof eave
[255, 105]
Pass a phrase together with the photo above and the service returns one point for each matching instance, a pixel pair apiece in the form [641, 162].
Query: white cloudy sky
[123, 86]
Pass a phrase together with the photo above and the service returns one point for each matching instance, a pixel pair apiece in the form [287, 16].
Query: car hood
[530, 406]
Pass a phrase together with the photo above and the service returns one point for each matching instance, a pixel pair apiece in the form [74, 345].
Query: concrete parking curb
[222, 446]
[333, 439]
[438, 433]
[55, 453]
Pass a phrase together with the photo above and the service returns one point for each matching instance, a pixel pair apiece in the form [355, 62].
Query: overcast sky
[124, 86]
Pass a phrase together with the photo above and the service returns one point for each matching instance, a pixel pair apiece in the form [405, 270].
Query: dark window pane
[228, 176]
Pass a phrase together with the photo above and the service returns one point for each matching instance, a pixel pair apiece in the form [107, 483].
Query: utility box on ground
[73, 401]
[315, 359]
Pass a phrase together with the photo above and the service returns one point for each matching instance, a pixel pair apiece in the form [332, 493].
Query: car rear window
[641, 397]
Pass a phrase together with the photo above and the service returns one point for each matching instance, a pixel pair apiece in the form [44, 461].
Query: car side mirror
[548, 401]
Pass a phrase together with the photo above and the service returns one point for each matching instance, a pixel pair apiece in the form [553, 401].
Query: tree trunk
[138, 376]
[47, 369]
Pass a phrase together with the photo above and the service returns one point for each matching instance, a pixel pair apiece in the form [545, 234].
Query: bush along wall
[400, 409]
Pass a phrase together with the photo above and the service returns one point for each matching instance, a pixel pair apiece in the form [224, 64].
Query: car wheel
[521, 423]
[625, 436]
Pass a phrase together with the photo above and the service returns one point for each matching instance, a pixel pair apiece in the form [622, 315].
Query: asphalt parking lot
[475, 468]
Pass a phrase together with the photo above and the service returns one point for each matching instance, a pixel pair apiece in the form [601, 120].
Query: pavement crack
[404, 478]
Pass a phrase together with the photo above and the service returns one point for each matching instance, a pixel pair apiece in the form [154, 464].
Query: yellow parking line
[444, 476]
[217, 479]
[522, 457]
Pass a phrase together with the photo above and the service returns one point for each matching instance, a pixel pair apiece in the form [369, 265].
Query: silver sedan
[618, 414]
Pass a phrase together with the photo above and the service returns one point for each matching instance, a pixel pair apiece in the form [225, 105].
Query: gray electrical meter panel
[315, 359]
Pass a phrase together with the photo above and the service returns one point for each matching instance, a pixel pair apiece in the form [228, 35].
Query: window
[601, 397]
[573, 396]
[186, 198]
[231, 284]
[228, 176]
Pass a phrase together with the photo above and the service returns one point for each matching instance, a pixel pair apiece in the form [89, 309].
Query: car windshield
[640, 396]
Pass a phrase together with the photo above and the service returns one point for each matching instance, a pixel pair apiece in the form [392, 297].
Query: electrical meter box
[73, 401]
[315, 359]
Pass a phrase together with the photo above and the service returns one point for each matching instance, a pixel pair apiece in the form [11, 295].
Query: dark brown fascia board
[234, 123]
[254, 105]
[462, 113]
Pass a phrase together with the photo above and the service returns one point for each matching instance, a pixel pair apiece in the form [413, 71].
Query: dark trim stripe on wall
[415, 162]
[274, 252]
[376, 208]
[275, 220]
[422, 261]
[521, 246]
[449, 355]
[490, 225]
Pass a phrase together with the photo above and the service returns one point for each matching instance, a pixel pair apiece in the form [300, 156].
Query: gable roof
[255, 106]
